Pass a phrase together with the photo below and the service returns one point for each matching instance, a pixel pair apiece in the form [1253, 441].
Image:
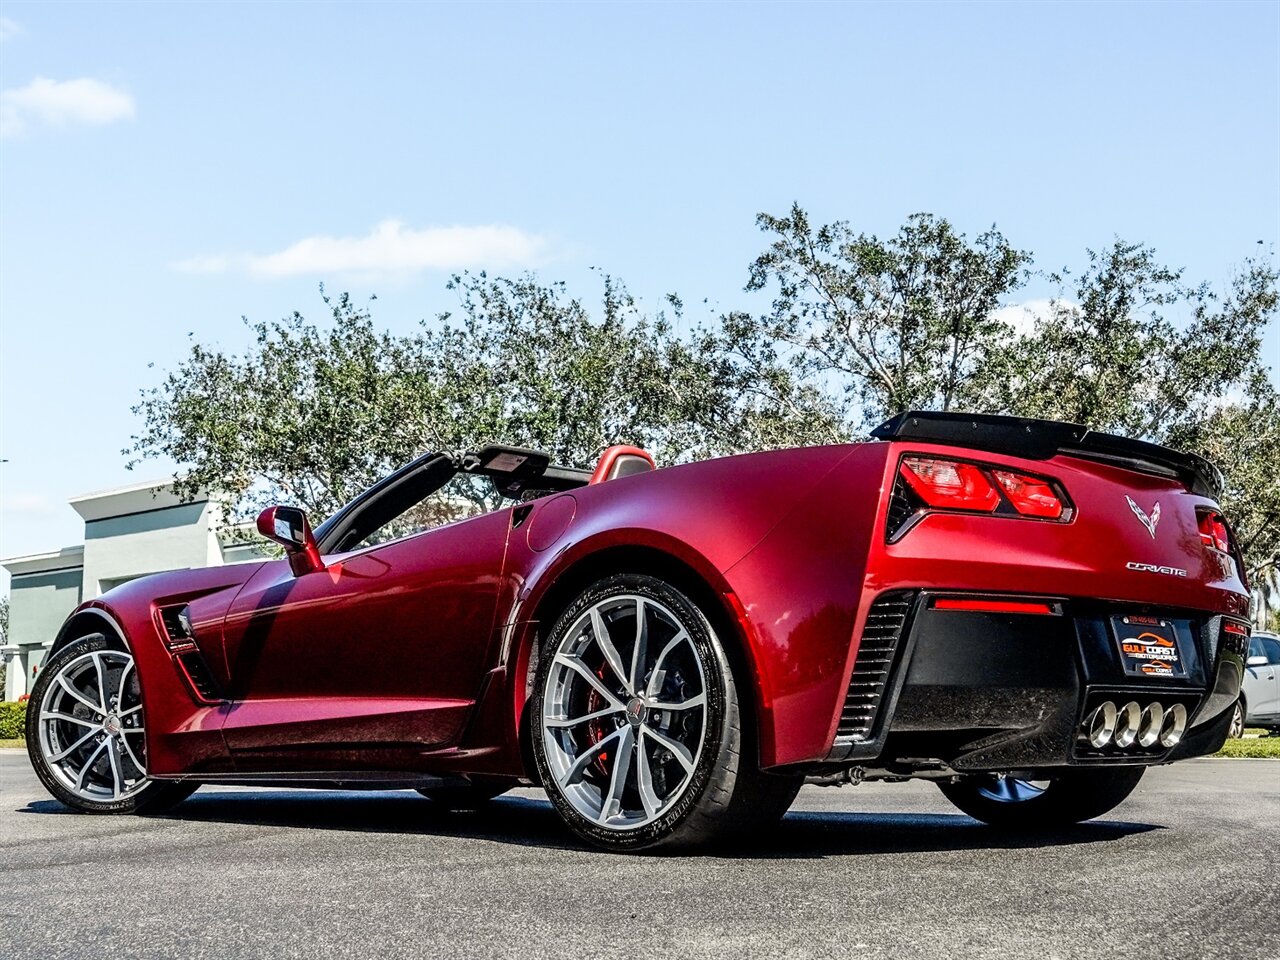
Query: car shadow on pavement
[529, 822]
[837, 833]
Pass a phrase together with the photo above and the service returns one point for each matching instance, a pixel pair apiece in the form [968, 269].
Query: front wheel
[639, 733]
[1019, 804]
[86, 732]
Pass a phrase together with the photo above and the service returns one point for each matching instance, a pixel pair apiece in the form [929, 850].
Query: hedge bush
[1252, 748]
[13, 720]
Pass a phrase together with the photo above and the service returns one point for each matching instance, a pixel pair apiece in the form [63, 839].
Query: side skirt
[326, 780]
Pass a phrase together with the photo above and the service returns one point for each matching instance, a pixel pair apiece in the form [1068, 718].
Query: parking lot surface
[1187, 867]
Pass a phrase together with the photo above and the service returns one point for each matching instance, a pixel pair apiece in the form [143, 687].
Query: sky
[166, 169]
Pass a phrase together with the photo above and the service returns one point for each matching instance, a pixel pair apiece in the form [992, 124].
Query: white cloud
[9, 29]
[390, 248]
[54, 103]
[1023, 316]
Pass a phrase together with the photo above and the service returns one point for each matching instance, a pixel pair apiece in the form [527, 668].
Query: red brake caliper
[595, 729]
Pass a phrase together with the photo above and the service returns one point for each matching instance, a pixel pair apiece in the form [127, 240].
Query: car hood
[176, 585]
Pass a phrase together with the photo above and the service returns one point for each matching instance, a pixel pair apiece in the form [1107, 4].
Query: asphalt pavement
[1188, 867]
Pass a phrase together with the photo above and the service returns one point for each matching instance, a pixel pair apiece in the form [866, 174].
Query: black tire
[725, 793]
[1071, 797]
[1238, 713]
[154, 796]
[472, 795]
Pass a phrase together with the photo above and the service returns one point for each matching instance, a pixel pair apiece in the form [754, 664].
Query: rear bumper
[972, 691]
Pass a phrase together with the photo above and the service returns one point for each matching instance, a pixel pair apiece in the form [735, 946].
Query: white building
[128, 532]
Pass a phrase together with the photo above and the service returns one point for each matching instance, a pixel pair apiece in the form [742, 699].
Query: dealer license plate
[1148, 647]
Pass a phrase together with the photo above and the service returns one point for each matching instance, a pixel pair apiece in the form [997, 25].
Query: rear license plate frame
[1148, 647]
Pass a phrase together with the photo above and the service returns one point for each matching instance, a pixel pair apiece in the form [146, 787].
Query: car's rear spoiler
[1042, 439]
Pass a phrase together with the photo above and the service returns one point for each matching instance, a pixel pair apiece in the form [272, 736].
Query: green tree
[309, 414]
[868, 328]
[1265, 580]
[882, 325]
[315, 412]
[858, 329]
[1135, 350]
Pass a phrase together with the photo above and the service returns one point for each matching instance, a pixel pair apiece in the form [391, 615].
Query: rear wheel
[86, 732]
[639, 730]
[1236, 730]
[1013, 803]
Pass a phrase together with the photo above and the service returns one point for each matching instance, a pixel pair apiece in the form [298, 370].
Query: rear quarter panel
[781, 537]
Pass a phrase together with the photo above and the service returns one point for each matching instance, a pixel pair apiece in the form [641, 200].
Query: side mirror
[288, 527]
[1256, 662]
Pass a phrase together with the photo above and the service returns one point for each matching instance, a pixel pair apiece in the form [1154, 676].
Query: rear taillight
[1213, 531]
[950, 485]
[931, 484]
[1030, 496]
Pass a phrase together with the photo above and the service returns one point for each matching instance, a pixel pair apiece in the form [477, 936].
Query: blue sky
[162, 167]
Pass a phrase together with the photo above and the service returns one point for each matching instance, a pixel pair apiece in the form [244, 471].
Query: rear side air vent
[884, 628]
[903, 505]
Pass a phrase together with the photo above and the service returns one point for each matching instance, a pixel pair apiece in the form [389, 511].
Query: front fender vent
[176, 621]
[192, 666]
[877, 648]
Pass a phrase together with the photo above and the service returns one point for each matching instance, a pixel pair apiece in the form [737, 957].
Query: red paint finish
[550, 522]
[183, 736]
[414, 655]
[395, 634]
[1086, 557]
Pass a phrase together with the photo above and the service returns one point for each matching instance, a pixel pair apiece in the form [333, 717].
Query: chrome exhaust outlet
[1173, 726]
[1099, 726]
[1127, 722]
[1149, 726]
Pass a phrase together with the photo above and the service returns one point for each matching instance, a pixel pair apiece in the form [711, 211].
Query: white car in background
[1259, 703]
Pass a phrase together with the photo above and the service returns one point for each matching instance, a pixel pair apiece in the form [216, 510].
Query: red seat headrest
[622, 461]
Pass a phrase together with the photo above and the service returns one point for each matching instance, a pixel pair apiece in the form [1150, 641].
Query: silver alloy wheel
[91, 728]
[1236, 731]
[624, 712]
[1006, 789]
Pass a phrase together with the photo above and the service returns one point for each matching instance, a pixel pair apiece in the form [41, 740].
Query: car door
[1261, 686]
[369, 661]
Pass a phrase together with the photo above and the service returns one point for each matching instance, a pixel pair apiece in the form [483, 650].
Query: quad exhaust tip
[1130, 715]
[1101, 725]
[1145, 726]
[1150, 724]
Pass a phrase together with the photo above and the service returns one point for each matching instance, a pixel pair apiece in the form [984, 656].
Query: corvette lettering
[1152, 568]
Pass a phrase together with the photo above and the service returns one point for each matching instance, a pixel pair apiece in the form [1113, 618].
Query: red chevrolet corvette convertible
[1027, 613]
